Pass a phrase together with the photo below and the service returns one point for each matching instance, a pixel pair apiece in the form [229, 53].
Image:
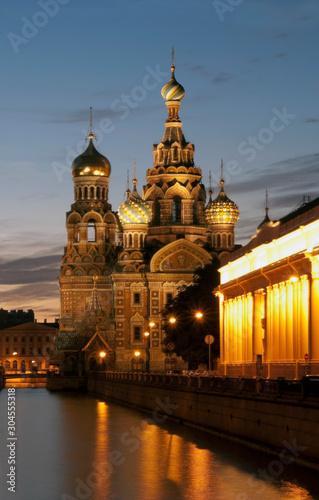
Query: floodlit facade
[27, 347]
[120, 268]
[269, 299]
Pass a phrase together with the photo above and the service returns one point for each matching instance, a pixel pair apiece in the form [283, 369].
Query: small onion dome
[173, 91]
[134, 210]
[222, 210]
[91, 162]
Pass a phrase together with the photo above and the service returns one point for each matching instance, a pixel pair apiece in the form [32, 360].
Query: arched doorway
[137, 365]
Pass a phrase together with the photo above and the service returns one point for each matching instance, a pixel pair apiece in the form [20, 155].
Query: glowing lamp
[146, 334]
[151, 324]
[137, 353]
[14, 353]
[199, 315]
[293, 279]
[172, 320]
[102, 354]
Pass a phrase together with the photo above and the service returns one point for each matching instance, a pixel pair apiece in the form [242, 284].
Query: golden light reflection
[102, 451]
[295, 492]
[169, 471]
[200, 460]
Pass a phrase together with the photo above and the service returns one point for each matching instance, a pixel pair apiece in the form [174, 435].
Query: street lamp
[147, 349]
[172, 320]
[198, 315]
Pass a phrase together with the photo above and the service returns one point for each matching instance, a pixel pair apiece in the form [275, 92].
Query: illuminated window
[177, 209]
[91, 231]
[137, 333]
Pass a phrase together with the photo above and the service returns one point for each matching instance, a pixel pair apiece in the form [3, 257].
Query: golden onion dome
[91, 162]
[222, 210]
[173, 91]
[134, 210]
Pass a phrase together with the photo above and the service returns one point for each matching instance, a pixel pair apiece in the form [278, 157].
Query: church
[119, 269]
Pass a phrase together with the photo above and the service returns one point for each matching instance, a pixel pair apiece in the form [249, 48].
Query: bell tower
[174, 189]
[91, 225]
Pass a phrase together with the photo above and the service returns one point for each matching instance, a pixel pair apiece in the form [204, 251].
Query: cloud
[30, 270]
[254, 60]
[281, 35]
[222, 77]
[43, 298]
[304, 18]
[281, 55]
[311, 120]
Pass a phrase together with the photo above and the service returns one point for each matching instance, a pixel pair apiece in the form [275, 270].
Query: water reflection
[75, 446]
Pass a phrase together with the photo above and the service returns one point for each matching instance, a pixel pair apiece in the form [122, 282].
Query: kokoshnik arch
[120, 268]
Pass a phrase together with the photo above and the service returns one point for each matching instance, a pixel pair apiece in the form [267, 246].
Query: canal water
[80, 447]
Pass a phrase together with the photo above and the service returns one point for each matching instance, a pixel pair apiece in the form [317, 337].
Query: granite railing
[306, 388]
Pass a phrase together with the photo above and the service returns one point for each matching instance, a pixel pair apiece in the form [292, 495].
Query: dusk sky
[250, 70]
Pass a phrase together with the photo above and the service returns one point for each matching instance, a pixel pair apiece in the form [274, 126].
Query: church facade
[119, 269]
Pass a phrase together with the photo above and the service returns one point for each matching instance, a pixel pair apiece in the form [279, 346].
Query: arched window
[218, 241]
[130, 242]
[135, 240]
[77, 236]
[98, 192]
[92, 192]
[177, 209]
[103, 193]
[229, 240]
[141, 241]
[157, 212]
[91, 231]
[195, 212]
[224, 240]
[85, 193]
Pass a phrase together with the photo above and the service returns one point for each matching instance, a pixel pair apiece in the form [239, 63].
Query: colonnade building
[269, 299]
[120, 268]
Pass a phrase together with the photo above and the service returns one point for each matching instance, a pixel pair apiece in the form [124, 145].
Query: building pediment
[97, 343]
[181, 255]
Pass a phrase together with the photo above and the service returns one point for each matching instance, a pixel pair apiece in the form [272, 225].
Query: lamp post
[209, 339]
[102, 356]
[147, 349]
[137, 355]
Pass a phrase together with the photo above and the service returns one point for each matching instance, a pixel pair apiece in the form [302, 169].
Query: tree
[187, 333]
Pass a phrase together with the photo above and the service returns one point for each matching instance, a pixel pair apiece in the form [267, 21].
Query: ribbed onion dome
[134, 210]
[91, 162]
[173, 91]
[222, 210]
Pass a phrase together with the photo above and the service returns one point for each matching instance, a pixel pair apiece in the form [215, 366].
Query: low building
[26, 347]
[269, 299]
